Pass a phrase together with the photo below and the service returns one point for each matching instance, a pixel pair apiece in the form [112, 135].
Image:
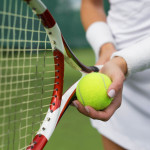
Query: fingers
[103, 115]
[117, 77]
[116, 86]
[80, 107]
[114, 91]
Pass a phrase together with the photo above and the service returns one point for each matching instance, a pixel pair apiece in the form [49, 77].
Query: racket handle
[96, 68]
[99, 67]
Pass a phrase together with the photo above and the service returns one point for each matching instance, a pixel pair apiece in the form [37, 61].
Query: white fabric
[98, 34]
[130, 125]
[129, 21]
[138, 61]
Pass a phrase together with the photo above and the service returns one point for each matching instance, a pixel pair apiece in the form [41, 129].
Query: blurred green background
[74, 132]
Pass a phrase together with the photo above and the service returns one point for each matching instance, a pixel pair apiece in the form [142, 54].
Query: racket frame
[61, 52]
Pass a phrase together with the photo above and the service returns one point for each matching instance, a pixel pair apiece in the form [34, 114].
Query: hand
[116, 70]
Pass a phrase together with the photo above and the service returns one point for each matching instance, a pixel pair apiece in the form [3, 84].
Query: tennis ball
[92, 91]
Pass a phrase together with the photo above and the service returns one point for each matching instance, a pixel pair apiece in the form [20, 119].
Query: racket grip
[99, 67]
[96, 68]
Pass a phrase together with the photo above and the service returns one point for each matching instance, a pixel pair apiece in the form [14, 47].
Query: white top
[129, 21]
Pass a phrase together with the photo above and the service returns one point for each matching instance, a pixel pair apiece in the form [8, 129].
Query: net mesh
[26, 74]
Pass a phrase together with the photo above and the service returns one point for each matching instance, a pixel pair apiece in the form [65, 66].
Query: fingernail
[75, 104]
[87, 109]
[111, 93]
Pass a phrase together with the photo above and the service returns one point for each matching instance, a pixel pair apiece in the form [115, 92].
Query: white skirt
[130, 125]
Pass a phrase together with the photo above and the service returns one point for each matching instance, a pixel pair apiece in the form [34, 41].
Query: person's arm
[94, 21]
[137, 56]
[130, 60]
[97, 31]
[116, 69]
[92, 11]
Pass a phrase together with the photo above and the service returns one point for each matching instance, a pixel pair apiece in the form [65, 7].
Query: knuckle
[105, 119]
[122, 77]
[108, 115]
[119, 105]
[119, 85]
[93, 116]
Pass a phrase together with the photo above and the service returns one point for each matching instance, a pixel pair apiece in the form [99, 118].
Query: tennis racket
[32, 55]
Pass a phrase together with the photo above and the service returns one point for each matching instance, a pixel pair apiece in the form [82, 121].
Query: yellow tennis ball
[92, 91]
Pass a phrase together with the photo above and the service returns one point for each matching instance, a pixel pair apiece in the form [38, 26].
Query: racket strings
[29, 125]
[27, 75]
[24, 95]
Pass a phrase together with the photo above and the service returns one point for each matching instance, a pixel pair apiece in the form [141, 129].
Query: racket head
[31, 76]
[60, 51]
[57, 40]
[58, 43]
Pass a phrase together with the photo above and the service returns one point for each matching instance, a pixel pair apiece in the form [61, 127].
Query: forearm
[121, 63]
[136, 56]
[105, 53]
[92, 11]
[98, 33]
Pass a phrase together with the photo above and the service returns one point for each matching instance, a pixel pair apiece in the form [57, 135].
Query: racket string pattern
[27, 75]
[32, 54]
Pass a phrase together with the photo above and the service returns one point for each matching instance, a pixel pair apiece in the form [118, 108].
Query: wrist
[107, 48]
[105, 53]
[121, 63]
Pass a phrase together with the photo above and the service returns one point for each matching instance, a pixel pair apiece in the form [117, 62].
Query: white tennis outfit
[129, 22]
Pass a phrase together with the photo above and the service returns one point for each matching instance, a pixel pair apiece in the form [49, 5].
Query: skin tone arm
[115, 68]
[95, 12]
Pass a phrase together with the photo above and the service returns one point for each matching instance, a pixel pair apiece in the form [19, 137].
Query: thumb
[114, 88]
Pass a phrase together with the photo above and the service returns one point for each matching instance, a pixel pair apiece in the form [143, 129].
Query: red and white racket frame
[61, 52]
